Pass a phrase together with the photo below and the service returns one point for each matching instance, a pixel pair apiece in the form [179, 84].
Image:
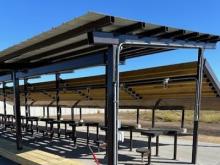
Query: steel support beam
[48, 111]
[197, 104]
[153, 112]
[138, 114]
[4, 98]
[26, 97]
[44, 112]
[17, 110]
[57, 96]
[112, 104]
[135, 40]
[80, 113]
[76, 63]
[106, 99]
[153, 118]
[72, 113]
[183, 118]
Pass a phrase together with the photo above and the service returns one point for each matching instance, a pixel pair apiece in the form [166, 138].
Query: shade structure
[97, 39]
[138, 89]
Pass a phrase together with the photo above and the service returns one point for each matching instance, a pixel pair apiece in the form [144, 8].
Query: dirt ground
[208, 132]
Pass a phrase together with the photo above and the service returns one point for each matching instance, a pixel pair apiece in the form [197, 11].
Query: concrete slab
[208, 153]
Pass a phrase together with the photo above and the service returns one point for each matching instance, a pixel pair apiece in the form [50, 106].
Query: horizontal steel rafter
[130, 28]
[154, 32]
[97, 24]
[72, 54]
[136, 41]
[76, 63]
[56, 50]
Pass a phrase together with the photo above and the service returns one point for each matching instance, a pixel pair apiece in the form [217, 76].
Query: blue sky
[25, 18]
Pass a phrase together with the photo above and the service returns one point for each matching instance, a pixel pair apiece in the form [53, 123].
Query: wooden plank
[30, 156]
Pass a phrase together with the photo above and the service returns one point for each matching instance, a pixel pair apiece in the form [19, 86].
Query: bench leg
[142, 157]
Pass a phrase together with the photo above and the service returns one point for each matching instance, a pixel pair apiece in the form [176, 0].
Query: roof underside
[140, 88]
[71, 40]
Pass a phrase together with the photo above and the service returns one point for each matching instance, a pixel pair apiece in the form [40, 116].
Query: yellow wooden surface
[30, 156]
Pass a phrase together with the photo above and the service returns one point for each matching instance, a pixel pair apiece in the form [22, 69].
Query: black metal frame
[153, 112]
[77, 63]
[138, 116]
[44, 112]
[57, 75]
[17, 110]
[198, 94]
[132, 40]
[72, 113]
[4, 97]
[183, 118]
[80, 113]
[111, 59]
[48, 111]
[26, 97]
[112, 104]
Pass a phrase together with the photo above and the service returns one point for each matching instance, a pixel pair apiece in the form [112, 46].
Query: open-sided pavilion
[97, 39]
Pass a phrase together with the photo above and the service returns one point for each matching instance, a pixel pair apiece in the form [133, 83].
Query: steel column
[44, 112]
[106, 97]
[153, 118]
[25, 97]
[138, 114]
[197, 103]
[4, 97]
[57, 95]
[48, 111]
[72, 113]
[112, 104]
[80, 113]
[183, 118]
[17, 110]
[153, 112]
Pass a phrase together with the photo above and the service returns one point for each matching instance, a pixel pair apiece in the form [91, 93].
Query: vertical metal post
[183, 118]
[153, 112]
[153, 118]
[4, 102]
[138, 114]
[197, 103]
[17, 110]
[60, 111]
[25, 98]
[106, 98]
[44, 113]
[29, 110]
[72, 113]
[4, 97]
[112, 104]
[48, 111]
[80, 113]
[57, 96]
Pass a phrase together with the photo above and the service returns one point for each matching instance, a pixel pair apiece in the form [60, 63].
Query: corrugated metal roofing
[70, 39]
